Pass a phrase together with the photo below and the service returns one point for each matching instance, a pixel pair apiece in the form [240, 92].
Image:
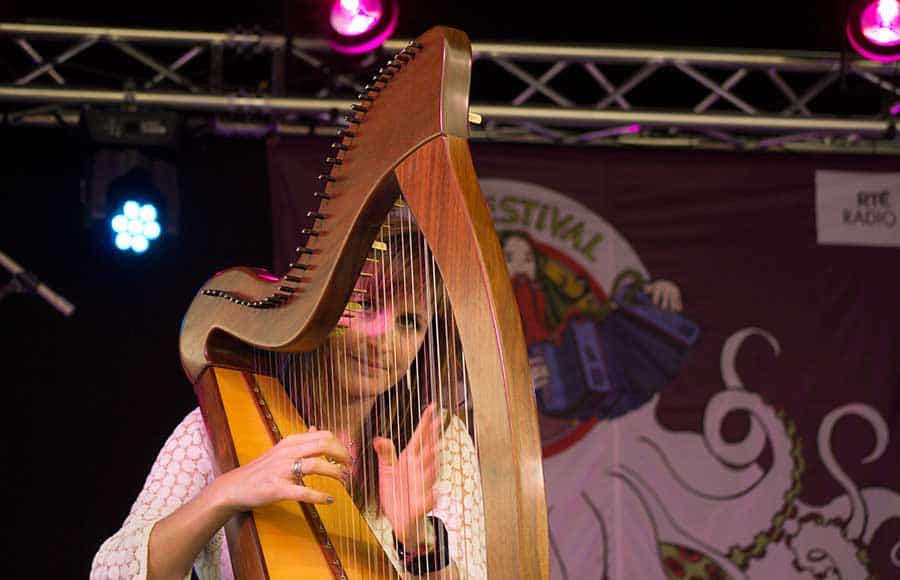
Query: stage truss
[234, 83]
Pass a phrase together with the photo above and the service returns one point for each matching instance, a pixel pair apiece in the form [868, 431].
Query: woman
[371, 390]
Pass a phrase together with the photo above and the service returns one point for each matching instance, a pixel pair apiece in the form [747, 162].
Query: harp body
[409, 137]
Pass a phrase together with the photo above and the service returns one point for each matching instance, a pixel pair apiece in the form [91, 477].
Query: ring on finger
[297, 471]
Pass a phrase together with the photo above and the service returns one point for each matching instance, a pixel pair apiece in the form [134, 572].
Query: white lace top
[184, 467]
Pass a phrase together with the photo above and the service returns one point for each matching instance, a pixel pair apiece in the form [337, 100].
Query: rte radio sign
[858, 208]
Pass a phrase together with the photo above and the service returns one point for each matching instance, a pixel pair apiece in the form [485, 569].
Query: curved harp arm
[410, 140]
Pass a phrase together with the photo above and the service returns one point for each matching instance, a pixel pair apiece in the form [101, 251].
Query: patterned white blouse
[184, 468]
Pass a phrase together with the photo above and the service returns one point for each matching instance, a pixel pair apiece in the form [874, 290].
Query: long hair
[399, 263]
[435, 372]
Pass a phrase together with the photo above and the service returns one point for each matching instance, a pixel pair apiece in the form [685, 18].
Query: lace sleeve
[458, 501]
[182, 469]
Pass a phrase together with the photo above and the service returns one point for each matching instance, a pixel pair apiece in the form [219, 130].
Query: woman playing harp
[378, 369]
[379, 384]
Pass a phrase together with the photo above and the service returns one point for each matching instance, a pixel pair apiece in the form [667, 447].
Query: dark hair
[400, 259]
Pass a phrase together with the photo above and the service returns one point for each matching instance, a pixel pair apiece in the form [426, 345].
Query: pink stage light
[880, 22]
[873, 28]
[353, 17]
[359, 26]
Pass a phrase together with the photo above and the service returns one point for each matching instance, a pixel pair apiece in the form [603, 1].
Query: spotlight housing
[873, 29]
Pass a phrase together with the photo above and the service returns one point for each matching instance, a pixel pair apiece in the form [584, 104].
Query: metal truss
[253, 83]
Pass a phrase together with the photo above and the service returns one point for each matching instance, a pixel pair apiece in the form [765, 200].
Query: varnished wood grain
[440, 187]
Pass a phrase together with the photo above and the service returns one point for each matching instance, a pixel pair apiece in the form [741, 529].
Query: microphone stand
[23, 282]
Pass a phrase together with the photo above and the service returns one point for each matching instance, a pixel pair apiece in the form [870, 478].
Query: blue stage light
[135, 226]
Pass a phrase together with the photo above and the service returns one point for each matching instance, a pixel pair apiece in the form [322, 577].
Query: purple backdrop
[769, 453]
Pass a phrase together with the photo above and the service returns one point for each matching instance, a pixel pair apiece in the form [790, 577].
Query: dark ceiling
[763, 24]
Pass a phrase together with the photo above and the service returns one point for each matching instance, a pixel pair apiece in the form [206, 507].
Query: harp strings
[400, 281]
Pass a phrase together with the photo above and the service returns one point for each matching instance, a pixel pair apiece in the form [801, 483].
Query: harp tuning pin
[288, 289]
[352, 119]
[326, 177]
[359, 108]
[321, 195]
[303, 250]
[339, 146]
[315, 215]
[333, 161]
[309, 232]
[365, 97]
[372, 88]
[385, 72]
[346, 133]
[294, 279]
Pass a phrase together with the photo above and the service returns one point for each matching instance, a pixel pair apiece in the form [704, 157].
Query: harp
[406, 144]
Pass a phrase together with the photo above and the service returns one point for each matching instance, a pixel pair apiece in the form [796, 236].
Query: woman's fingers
[319, 466]
[426, 433]
[306, 494]
[387, 453]
[310, 445]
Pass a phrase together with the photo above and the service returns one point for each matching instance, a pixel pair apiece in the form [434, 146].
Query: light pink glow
[355, 17]
[880, 22]
[895, 109]
[361, 26]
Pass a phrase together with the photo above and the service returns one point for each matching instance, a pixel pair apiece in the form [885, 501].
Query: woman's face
[380, 342]
[519, 257]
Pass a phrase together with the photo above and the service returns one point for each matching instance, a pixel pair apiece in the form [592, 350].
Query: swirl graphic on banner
[628, 497]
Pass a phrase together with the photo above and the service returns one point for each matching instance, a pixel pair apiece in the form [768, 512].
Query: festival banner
[715, 365]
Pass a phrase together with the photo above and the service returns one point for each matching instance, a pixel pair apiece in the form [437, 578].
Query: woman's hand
[269, 478]
[540, 372]
[665, 294]
[406, 483]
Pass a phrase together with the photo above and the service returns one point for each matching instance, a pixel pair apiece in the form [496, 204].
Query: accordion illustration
[608, 367]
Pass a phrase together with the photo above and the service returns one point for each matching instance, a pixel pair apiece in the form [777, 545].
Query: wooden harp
[407, 136]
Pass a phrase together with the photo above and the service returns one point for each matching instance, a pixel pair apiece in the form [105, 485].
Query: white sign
[858, 208]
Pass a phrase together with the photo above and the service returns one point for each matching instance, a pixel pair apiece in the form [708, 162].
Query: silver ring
[297, 471]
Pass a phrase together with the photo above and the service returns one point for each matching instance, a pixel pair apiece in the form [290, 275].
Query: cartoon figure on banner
[633, 497]
[591, 354]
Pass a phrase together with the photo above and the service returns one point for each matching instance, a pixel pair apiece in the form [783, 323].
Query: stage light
[131, 184]
[873, 29]
[358, 26]
[135, 226]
